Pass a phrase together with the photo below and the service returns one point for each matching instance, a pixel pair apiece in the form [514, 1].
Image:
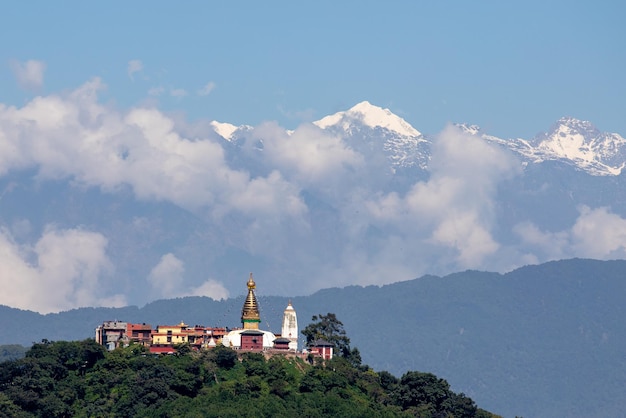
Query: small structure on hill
[112, 334]
[322, 348]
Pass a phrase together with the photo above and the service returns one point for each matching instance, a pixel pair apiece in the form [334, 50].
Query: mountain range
[571, 141]
[103, 207]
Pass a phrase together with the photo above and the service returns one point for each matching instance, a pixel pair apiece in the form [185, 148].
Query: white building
[290, 327]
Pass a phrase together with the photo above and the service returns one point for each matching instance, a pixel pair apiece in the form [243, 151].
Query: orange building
[139, 333]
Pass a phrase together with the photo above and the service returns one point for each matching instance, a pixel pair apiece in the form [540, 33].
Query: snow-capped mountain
[368, 115]
[573, 141]
[371, 129]
[366, 128]
[228, 131]
[225, 130]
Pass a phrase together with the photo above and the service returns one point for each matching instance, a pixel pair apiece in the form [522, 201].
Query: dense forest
[82, 379]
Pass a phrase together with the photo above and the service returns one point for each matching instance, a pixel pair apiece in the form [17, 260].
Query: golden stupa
[250, 313]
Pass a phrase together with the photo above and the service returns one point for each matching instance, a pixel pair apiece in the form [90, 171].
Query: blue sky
[511, 67]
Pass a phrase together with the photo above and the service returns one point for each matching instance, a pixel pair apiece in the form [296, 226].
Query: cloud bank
[303, 207]
[63, 270]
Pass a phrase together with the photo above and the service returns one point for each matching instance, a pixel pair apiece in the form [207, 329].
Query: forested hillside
[81, 379]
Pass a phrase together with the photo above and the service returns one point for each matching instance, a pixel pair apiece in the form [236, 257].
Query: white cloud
[265, 195]
[178, 93]
[309, 155]
[167, 281]
[211, 288]
[166, 277]
[206, 89]
[454, 208]
[63, 270]
[29, 74]
[73, 136]
[551, 245]
[134, 66]
[597, 233]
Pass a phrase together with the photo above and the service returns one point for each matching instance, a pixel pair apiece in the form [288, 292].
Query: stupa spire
[250, 313]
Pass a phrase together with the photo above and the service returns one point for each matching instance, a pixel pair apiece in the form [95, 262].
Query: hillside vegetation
[81, 379]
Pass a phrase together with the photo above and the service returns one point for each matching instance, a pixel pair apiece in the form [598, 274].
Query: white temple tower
[290, 327]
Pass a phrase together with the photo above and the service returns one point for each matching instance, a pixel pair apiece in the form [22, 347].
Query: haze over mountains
[101, 207]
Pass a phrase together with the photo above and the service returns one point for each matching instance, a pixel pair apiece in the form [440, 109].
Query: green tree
[255, 364]
[328, 327]
[225, 357]
[387, 380]
[427, 395]
[8, 409]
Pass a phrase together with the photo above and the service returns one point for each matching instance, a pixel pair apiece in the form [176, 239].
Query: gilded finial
[251, 284]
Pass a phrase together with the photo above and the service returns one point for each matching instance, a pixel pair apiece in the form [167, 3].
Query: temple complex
[248, 337]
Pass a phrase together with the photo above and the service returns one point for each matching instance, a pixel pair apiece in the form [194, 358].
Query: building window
[169, 338]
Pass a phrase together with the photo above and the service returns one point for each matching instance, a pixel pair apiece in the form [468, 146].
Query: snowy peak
[468, 129]
[228, 131]
[576, 142]
[225, 130]
[578, 126]
[371, 116]
[565, 130]
[371, 129]
[582, 142]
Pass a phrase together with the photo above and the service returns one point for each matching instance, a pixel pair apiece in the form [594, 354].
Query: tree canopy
[329, 328]
[81, 379]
